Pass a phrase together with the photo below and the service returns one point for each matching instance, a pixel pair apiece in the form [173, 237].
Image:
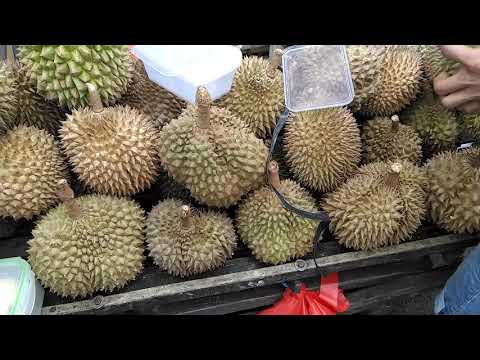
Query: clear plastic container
[316, 77]
[181, 69]
[20, 292]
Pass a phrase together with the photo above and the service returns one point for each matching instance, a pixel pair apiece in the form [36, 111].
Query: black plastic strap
[321, 216]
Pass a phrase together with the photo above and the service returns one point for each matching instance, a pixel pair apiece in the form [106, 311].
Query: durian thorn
[275, 62]
[67, 196]
[187, 218]
[203, 101]
[273, 175]
[475, 162]
[395, 123]
[94, 99]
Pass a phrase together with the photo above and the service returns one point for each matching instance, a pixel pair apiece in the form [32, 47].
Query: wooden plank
[250, 299]
[365, 299]
[189, 290]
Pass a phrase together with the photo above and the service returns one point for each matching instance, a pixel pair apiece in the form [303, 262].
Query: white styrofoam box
[181, 69]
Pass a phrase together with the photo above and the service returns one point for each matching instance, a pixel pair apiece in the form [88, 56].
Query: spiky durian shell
[276, 235]
[398, 84]
[185, 251]
[61, 72]
[454, 190]
[153, 100]
[8, 99]
[470, 125]
[31, 164]
[434, 123]
[219, 164]
[366, 213]
[365, 64]
[101, 250]
[113, 152]
[322, 147]
[33, 109]
[383, 142]
[254, 97]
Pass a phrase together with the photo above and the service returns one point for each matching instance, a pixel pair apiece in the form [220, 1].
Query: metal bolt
[98, 300]
[300, 265]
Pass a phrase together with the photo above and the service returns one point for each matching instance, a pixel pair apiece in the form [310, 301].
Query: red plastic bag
[328, 300]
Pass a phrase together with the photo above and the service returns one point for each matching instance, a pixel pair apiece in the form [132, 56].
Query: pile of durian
[117, 171]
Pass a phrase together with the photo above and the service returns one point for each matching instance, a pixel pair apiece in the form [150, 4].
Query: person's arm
[462, 90]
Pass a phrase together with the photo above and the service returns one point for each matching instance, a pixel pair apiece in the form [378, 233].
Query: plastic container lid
[181, 69]
[316, 77]
[19, 291]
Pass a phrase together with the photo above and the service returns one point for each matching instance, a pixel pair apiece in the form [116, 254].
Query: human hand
[462, 90]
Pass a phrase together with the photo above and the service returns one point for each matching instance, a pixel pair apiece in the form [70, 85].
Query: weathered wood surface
[249, 299]
[260, 277]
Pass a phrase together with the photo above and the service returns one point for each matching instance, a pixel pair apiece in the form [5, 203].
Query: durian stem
[275, 62]
[273, 176]
[395, 123]
[11, 63]
[94, 98]
[67, 196]
[392, 179]
[203, 101]
[187, 219]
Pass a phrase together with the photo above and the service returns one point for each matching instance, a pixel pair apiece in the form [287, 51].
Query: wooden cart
[245, 285]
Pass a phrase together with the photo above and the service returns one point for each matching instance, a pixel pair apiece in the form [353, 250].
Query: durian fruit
[256, 96]
[113, 150]
[185, 242]
[386, 139]
[33, 109]
[212, 153]
[454, 190]
[434, 62]
[434, 123]
[322, 147]
[365, 63]
[274, 234]
[398, 84]
[8, 99]
[61, 72]
[153, 100]
[31, 164]
[471, 125]
[382, 205]
[88, 244]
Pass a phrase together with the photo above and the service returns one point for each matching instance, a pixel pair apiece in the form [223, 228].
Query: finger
[471, 107]
[459, 98]
[462, 54]
[444, 85]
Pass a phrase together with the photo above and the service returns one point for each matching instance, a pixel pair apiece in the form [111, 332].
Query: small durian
[454, 190]
[62, 72]
[143, 94]
[365, 64]
[322, 147]
[398, 84]
[434, 123]
[31, 164]
[88, 244]
[383, 205]
[113, 150]
[274, 234]
[386, 139]
[256, 96]
[185, 243]
[212, 153]
[8, 99]
[471, 125]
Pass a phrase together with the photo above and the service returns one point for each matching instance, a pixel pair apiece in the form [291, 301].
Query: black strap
[321, 216]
